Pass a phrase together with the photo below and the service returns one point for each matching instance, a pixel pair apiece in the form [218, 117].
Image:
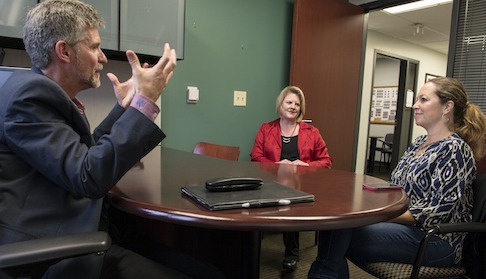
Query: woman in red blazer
[289, 140]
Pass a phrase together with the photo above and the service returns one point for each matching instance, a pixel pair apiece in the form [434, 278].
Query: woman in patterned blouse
[436, 172]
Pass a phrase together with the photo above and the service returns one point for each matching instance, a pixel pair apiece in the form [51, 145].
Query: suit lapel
[81, 125]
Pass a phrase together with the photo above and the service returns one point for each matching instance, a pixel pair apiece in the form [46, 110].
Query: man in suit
[53, 172]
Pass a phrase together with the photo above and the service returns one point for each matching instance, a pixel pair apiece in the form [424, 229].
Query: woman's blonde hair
[469, 122]
[291, 90]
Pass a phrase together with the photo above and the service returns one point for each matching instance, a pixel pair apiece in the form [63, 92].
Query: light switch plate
[192, 95]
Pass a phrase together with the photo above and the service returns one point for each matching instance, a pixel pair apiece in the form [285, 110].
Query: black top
[290, 151]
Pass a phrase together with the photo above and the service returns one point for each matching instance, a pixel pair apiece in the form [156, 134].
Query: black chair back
[474, 256]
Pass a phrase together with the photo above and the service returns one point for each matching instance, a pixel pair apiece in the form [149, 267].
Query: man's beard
[95, 81]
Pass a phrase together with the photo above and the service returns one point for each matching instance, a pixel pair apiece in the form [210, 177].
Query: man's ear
[63, 51]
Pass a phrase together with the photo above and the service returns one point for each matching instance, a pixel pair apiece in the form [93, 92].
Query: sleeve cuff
[145, 106]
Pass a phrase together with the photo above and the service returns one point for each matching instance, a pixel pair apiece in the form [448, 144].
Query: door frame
[403, 130]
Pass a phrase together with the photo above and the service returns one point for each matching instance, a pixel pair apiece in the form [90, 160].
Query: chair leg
[379, 165]
[382, 160]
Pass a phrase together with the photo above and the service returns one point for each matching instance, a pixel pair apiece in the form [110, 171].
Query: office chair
[386, 150]
[474, 252]
[32, 258]
[225, 152]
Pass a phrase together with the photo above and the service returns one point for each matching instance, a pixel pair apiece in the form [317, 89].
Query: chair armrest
[460, 227]
[387, 143]
[443, 229]
[46, 249]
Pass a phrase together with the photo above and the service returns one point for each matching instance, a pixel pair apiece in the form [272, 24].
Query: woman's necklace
[287, 139]
[424, 146]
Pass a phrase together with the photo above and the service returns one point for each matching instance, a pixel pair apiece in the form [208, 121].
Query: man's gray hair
[55, 20]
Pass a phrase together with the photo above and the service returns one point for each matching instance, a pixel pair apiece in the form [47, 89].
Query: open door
[393, 94]
[406, 97]
[327, 46]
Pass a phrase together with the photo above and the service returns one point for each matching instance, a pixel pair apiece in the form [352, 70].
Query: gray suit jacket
[53, 172]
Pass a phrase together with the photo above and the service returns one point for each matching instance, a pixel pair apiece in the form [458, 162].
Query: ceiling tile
[436, 21]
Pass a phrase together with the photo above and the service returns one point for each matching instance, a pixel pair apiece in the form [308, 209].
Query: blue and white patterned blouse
[438, 183]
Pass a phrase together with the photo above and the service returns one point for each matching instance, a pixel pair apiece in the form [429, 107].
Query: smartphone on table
[381, 186]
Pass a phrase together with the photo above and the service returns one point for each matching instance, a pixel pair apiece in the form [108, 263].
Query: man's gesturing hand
[124, 91]
[150, 82]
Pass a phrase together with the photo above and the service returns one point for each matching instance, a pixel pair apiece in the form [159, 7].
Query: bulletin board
[384, 104]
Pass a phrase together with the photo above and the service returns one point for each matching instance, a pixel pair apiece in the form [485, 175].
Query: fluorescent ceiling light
[415, 6]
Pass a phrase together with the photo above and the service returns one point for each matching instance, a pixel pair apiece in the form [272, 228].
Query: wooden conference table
[150, 197]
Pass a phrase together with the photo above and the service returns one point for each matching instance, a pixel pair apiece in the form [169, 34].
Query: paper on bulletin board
[384, 104]
[409, 99]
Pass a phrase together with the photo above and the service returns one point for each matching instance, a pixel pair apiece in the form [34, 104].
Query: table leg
[371, 155]
[235, 253]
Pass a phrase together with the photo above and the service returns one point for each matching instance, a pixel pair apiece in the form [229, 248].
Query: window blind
[469, 49]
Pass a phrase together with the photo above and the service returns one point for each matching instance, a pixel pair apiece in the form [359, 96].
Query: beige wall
[430, 61]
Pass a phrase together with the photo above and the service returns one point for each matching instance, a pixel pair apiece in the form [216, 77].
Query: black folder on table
[269, 194]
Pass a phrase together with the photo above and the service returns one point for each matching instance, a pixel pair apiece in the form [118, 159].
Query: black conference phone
[224, 184]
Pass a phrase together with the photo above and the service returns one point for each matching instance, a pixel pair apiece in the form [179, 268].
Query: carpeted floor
[381, 172]
[273, 249]
[272, 255]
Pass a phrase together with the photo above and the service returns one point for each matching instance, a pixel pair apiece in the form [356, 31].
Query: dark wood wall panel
[327, 42]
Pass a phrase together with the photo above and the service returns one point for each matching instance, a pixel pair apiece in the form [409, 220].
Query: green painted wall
[229, 45]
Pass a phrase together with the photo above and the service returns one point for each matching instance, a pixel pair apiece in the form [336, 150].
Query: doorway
[393, 93]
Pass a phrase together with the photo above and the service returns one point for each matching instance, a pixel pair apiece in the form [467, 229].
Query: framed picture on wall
[430, 76]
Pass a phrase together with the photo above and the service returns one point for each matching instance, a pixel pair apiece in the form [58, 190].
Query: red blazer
[312, 148]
